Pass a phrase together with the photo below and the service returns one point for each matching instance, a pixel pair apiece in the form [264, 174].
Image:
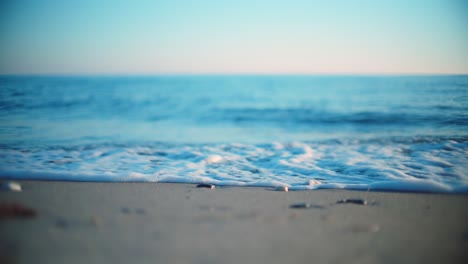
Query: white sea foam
[213, 159]
[428, 166]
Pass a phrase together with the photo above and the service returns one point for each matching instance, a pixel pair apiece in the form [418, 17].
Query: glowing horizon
[227, 37]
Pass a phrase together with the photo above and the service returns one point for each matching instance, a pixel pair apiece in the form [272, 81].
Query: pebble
[11, 186]
[282, 188]
[300, 205]
[203, 185]
[353, 201]
[305, 206]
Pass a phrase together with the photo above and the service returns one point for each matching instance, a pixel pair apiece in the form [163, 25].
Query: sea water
[398, 133]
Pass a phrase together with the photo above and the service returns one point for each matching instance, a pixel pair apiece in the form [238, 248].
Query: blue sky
[242, 36]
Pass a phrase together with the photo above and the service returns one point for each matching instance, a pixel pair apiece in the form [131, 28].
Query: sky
[233, 37]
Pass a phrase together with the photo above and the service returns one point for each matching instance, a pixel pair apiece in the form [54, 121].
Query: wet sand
[178, 223]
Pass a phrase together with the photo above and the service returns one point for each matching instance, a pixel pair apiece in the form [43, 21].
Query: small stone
[282, 188]
[203, 185]
[305, 206]
[11, 186]
[352, 201]
[300, 205]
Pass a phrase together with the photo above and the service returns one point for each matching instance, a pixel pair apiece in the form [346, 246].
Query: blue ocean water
[400, 133]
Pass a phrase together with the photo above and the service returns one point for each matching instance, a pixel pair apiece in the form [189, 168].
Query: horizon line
[194, 74]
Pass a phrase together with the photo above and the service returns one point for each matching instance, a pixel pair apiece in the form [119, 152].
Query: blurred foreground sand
[85, 222]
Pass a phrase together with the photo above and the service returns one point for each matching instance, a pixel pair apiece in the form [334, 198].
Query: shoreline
[121, 222]
[403, 186]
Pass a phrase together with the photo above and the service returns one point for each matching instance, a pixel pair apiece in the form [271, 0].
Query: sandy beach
[82, 222]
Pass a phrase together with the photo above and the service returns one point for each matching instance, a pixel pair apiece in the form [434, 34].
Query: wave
[417, 164]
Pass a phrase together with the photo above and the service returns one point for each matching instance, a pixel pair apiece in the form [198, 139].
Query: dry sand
[179, 223]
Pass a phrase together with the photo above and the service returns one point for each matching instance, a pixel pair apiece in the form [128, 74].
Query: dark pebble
[16, 210]
[352, 201]
[305, 206]
[209, 186]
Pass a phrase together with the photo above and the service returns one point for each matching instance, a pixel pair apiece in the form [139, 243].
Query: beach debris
[352, 201]
[16, 210]
[300, 205]
[305, 206]
[10, 186]
[204, 185]
[282, 188]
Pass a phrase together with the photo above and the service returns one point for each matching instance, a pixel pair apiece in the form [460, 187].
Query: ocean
[388, 133]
